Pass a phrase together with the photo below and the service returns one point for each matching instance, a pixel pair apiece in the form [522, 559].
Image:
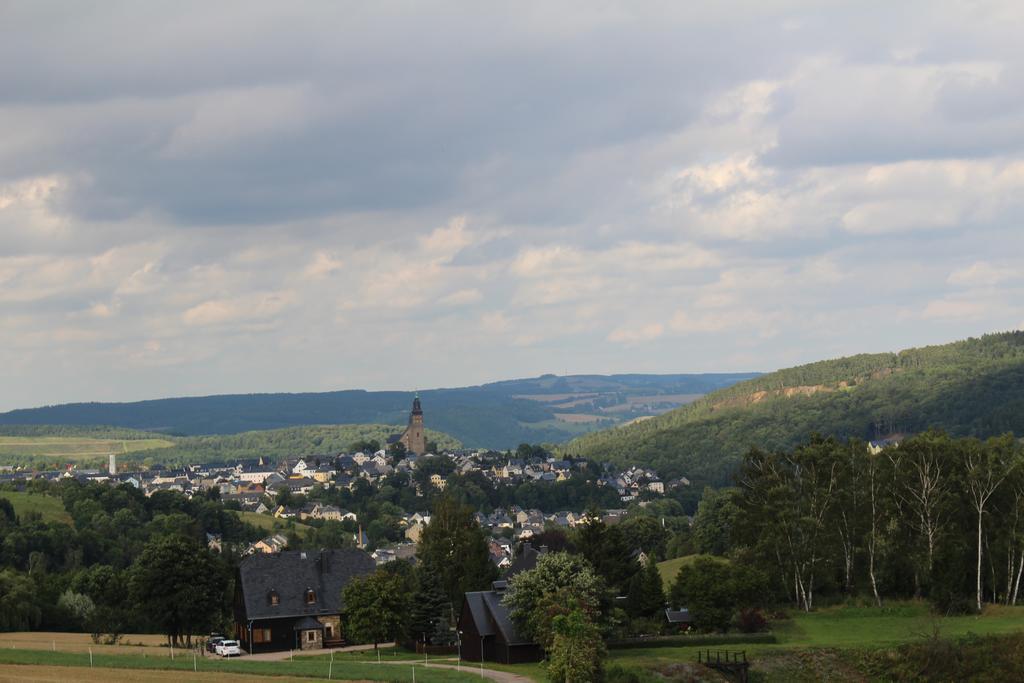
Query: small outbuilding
[486, 630]
[679, 618]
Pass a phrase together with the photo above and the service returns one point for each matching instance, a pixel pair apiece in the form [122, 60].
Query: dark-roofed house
[525, 559]
[292, 599]
[487, 630]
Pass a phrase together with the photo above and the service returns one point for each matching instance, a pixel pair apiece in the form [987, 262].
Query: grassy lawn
[303, 667]
[670, 568]
[74, 448]
[50, 507]
[387, 654]
[268, 522]
[844, 628]
[838, 628]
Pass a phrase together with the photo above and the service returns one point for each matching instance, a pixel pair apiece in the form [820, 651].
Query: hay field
[74, 448]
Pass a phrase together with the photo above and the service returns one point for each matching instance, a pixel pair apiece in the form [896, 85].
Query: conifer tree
[429, 604]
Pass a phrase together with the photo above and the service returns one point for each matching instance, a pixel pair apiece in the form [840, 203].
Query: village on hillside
[291, 489]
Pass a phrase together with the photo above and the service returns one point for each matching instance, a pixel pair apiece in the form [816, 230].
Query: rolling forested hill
[549, 409]
[48, 446]
[968, 388]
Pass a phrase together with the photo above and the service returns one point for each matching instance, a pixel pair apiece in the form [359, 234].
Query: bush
[577, 652]
[714, 590]
[646, 627]
[750, 620]
[616, 673]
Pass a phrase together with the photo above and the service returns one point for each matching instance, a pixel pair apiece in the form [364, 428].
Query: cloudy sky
[234, 197]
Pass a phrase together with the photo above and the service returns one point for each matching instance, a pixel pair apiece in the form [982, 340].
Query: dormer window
[310, 596]
[275, 599]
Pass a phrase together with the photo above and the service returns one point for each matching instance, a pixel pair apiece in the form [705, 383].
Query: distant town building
[413, 438]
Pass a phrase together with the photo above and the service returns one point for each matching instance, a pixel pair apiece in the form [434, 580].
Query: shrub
[616, 673]
[750, 620]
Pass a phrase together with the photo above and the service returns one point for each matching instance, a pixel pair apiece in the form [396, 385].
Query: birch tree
[986, 466]
[922, 487]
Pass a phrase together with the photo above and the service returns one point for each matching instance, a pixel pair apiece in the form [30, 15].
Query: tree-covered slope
[973, 387]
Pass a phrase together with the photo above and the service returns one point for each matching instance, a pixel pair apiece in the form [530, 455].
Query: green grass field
[272, 524]
[844, 628]
[74, 448]
[670, 568]
[306, 667]
[50, 508]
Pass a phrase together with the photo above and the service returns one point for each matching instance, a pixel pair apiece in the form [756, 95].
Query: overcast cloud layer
[225, 197]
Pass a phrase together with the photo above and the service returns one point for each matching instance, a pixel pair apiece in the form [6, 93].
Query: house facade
[291, 600]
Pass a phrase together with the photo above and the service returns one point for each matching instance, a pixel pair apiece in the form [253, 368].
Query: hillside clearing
[271, 523]
[50, 508]
[670, 568]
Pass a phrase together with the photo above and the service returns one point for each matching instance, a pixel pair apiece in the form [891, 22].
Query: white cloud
[239, 309]
[633, 335]
[280, 202]
[982, 274]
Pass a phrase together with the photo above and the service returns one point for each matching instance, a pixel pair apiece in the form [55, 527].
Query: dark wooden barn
[487, 631]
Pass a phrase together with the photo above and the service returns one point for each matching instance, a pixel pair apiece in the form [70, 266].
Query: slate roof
[291, 573]
[678, 616]
[525, 561]
[307, 624]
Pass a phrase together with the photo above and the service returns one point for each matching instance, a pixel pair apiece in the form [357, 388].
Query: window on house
[328, 631]
[310, 636]
[310, 596]
[261, 635]
[275, 599]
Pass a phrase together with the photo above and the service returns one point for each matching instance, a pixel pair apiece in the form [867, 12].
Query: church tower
[414, 439]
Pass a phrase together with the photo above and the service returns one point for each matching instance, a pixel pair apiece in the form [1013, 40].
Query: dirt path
[500, 676]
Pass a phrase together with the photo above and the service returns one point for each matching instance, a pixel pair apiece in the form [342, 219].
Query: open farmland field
[74, 448]
[75, 666]
[50, 508]
[150, 643]
[579, 417]
[60, 674]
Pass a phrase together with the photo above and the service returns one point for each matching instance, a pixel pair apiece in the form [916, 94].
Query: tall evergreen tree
[430, 603]
[646, 597]
[453, 547]
[607, 549]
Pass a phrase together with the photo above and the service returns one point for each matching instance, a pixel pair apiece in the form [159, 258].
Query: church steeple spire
[414, 438]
